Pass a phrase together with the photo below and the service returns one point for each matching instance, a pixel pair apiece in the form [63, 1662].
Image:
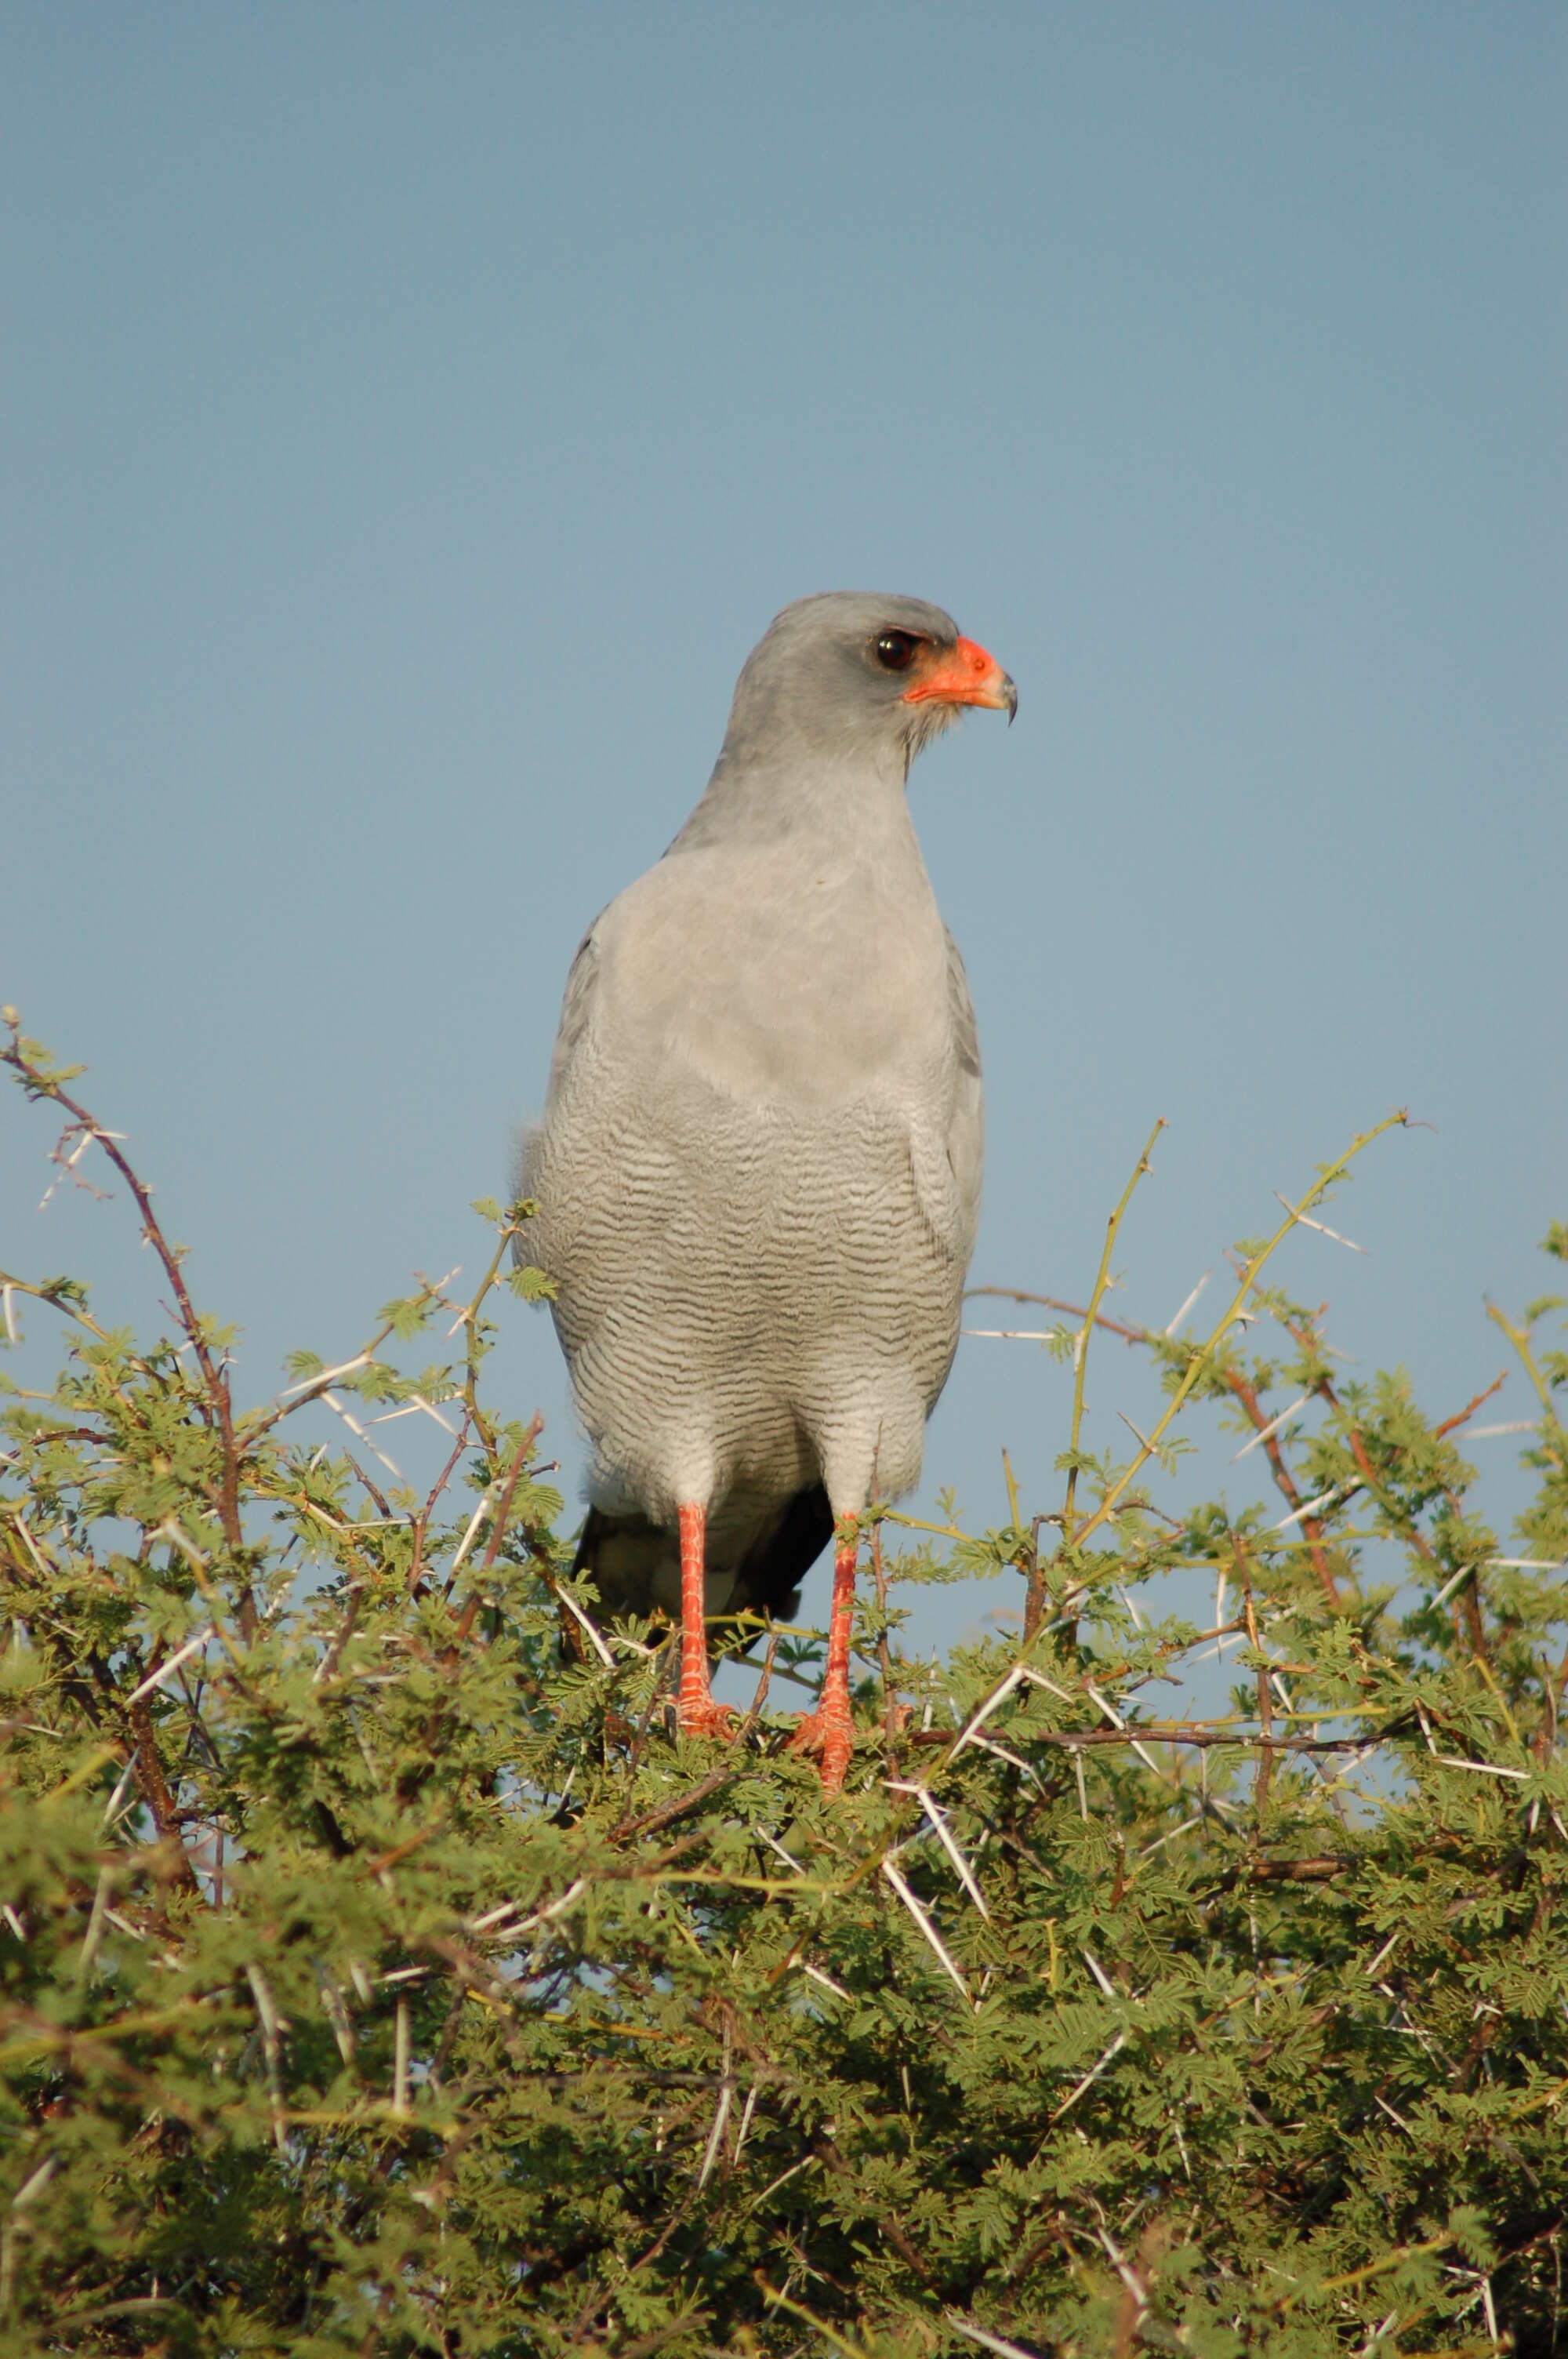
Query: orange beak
[964, 674]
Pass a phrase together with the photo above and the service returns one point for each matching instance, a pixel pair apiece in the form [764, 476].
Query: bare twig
[422, 1520]
[1266, 1430]
[1460, 1417]
[1248, 1277]
[214, 1379]
[1129, 1335]
[1081, 1349]
[1265, 1700]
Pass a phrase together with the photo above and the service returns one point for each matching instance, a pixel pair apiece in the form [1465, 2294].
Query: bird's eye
[895, 651]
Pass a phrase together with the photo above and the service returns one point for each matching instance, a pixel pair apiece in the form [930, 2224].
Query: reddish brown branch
[1469, 1624]
[1449, 1423]
[1246, 1393]
[497, 1530]
[1546, 1734]
[422, 1520]
[1194, 1733]
[213, 1377]
[1282, 1871]
[525, 1451]
[378, 1496]
[1035, 1591]
[1072, 1309]
[1265, 1702]
[153, 1787]
[668, 1812]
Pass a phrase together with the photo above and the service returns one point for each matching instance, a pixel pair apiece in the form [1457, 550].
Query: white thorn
[1189, 1302]
[927, 1927]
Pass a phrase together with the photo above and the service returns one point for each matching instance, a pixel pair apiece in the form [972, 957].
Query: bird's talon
[831, 1737]
[708, 1719]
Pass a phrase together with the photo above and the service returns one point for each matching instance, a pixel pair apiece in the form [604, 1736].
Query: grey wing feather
[577, 1003]
[967, 1124]
[946, 1155]
[577, 1008]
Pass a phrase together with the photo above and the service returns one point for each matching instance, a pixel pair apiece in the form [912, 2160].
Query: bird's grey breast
[808, 976]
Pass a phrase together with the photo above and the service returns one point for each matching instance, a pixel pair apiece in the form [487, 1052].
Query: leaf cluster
[380, 1973]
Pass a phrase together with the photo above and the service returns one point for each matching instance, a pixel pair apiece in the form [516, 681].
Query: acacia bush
[380, 1974]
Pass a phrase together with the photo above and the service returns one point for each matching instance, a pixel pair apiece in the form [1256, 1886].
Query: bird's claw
[701, 1716]
[831, 1736]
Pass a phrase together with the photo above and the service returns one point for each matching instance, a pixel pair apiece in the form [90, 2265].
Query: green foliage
[378, 1974]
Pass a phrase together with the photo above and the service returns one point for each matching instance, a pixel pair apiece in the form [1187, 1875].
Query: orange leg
[698, 1715]
[829, 1731]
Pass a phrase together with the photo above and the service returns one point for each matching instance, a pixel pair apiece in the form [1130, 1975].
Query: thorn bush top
[379, 1975]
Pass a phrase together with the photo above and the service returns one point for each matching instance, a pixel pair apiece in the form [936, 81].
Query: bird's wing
[946, 1159]
[576, 1004]
[577, 1009]
[967, 1124]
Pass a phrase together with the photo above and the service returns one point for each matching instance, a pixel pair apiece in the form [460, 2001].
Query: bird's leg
[699, 1715]
[829, 1731]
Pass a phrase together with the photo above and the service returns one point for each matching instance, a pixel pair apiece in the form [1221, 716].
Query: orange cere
[963, 674]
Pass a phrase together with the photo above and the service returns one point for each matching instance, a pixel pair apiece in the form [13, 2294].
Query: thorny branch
[430, 1918]
[40, 1081]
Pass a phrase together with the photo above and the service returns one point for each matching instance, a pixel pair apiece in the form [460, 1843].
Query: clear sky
[410, 419]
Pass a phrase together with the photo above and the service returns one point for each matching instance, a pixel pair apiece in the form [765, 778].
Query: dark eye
[895, 651]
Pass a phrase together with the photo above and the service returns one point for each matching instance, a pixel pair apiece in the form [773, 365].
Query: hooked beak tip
[965, 674]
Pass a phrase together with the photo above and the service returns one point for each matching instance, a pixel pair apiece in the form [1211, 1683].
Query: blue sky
[411, 419]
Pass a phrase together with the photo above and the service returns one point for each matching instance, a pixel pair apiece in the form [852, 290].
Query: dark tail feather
[769, 1575]
[622, 1553]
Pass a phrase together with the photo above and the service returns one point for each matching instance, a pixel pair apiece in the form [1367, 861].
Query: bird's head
[851, 677]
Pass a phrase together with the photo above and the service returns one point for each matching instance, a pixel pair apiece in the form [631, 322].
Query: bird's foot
[829, 1732]
[701, 1716]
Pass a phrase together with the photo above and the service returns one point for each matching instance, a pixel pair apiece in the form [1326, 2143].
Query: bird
[756, 1180]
